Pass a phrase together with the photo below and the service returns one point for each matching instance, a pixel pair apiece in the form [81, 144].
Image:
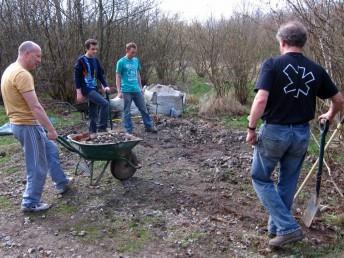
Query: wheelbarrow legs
[95, 180]
[89, 167]
[122, 168]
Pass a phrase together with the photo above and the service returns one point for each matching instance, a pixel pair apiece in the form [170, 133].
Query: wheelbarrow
[122, 160]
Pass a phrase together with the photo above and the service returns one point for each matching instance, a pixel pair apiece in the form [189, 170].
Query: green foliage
[60, 121]
[199, 87]
[238, 122]
[7, 140]
[3, 116]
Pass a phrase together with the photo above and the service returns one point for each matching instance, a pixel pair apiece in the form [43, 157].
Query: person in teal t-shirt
[129, 87]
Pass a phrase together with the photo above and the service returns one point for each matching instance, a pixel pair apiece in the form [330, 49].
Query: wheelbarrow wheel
[121, 169]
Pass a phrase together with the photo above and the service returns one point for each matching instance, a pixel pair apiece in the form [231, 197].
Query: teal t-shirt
[128, 70]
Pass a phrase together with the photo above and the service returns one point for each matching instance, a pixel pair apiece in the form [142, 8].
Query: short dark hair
[293, 33]
[90, 42]
[130, 45]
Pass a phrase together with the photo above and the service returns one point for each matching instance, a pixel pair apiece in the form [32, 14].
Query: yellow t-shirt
[14, 82]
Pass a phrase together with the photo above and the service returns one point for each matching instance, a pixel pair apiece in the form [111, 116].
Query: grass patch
[5, 159]
[7, 140]
[337, 220]
[92, 231]
[137, 236]
[3, 116]
[131, 235]
[313, 148]
[60, 121]
[11, 170]
[191, 238]
[304, 249]
[199, 87]
[5, 203]
[238, 122]
[65, 209]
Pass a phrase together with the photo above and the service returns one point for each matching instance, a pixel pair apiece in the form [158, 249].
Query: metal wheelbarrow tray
[123, 161]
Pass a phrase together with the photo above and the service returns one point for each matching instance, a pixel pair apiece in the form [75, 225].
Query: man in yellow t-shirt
[28, 121]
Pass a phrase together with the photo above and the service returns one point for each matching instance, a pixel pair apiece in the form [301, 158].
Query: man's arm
[140, 82]
[139, 79]
[101, 77]
[118, 85]
[337, 104]
[257, 111]
[39, 113]
[78, 81]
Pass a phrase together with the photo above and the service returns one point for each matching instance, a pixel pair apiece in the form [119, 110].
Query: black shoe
[280, 241]
[151, 129]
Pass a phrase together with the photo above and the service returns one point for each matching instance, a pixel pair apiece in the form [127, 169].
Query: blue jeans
[139, 101]
[97, 100]
[286, 145]
[41, 157]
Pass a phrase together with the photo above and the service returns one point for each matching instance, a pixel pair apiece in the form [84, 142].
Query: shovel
[313, 205]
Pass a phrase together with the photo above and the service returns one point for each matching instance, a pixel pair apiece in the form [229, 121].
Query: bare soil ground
[192, 198]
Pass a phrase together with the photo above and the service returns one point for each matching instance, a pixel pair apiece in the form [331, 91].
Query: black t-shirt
[293, 82]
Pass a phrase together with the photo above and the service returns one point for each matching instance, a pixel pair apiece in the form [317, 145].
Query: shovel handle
[324, 126]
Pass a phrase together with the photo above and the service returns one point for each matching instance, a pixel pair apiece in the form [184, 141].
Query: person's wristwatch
[251, 128]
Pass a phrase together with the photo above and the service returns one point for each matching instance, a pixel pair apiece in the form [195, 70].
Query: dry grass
[192, 100]
[227, 105]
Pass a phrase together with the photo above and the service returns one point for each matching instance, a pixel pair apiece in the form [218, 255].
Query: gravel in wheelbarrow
[110, 137]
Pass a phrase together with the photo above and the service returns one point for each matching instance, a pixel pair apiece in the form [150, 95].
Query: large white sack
[117, 104]
[168, 102]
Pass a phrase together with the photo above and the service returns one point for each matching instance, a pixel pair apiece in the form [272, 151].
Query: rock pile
[110, 137]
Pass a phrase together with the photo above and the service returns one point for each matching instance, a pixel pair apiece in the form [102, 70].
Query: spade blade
[313, 206]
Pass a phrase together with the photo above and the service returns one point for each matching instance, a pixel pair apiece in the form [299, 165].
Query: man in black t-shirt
[287, 88]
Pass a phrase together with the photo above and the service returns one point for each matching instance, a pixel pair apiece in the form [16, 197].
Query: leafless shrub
[224, 105]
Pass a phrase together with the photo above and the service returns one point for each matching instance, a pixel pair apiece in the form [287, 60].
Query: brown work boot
[280, 241]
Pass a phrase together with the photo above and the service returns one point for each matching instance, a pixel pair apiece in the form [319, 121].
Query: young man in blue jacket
[129, 87]
[88, 71]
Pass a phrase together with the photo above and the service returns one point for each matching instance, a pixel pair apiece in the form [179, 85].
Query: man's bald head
[28, 47]
[29, 55]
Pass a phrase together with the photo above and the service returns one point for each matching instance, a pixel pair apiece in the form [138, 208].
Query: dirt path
[192, 198]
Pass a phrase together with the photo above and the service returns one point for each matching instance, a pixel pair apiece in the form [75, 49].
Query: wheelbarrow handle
[324, 126]
[65, 143]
